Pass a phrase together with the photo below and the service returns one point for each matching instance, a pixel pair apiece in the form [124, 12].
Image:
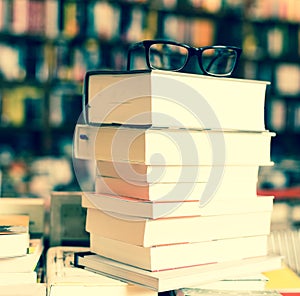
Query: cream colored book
[14, 235]
[172, 99]
[18, 278]
[158, 209]
[149, 232]
[36, 289]
[180, 255]
[25, 263]
[177, 191]
[154, 146]
[140, 172]
[179, 277]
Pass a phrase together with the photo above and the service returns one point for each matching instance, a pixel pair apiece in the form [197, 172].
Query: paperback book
[161, 146]
[150, 232]
[176, 278]
[171, 99]
[163, 257]
[135, 207]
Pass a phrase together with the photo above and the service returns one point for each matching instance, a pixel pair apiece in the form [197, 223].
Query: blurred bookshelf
[46, 46]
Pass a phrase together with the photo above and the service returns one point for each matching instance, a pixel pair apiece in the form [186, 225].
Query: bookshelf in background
[46, 46]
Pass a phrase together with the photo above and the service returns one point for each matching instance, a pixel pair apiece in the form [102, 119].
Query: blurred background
[46, 46]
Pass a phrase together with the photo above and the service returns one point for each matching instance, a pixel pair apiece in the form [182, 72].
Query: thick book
[158, 209]
[160, 146]
[171, 99]
[177, 278]
[63, 278]
[149, 232]
[26, 263]
[140, 172]
[179, 255]
[177, 191]
[14, 235]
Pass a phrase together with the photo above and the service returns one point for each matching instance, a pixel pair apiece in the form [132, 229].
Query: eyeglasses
[215, 60]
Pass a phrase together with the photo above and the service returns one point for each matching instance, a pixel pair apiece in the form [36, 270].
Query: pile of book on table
[20, 257]
[175, 159]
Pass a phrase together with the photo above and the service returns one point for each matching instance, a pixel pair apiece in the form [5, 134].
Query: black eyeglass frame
[198, 51]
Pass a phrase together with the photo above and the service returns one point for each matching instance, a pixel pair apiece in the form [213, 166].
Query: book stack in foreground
[63, 278]
[19, 257]
[176, 159]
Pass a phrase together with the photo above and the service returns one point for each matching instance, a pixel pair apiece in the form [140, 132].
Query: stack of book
[20, 256]
[63, 278]
[176, 159]
[19, 253]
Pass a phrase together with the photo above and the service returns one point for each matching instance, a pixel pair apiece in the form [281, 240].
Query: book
[13, 245]
[14, 235]
[255, 282]
[170, 256]
[179, 277]
[26, 263]
[285, 241]
[63, 278]
[171, 99]
[36, 289]
[155, 146]
[285, 280]
[140, 172]
[213, 292]
[18, 278]
[177, 191]
[33, 207]
[149, 232]
[14, 223]
[158, 209]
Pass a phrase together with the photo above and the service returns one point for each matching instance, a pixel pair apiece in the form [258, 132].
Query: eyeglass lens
[216, 61]
[167, 56]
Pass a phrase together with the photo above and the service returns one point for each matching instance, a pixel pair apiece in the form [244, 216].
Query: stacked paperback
[63, 278]
[176, 159]
[20, 255]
